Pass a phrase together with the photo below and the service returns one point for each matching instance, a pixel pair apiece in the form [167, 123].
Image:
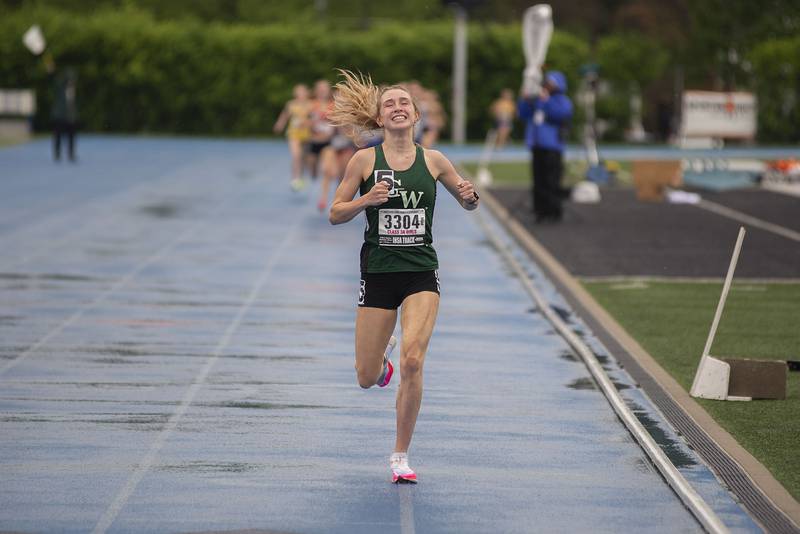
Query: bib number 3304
[401, 227]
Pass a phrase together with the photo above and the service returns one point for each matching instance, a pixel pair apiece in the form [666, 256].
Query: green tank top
[398, 235]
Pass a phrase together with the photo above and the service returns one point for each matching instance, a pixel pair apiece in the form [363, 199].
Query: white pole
[721, 305]
[488, 149]
[589, 133]
[483, 174]
[459, 76]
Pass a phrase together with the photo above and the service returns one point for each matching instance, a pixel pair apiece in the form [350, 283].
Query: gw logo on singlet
[410, 198]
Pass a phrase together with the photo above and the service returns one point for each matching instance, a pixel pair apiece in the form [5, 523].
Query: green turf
[504, 173]
[519, 172]
[671, 321]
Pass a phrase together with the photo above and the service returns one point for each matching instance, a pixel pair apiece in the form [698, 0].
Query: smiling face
[396, 109]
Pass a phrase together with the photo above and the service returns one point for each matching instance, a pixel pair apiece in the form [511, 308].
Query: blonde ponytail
[356, 102]
[355, 106]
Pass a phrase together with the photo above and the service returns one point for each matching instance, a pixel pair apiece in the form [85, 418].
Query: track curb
[785, 513]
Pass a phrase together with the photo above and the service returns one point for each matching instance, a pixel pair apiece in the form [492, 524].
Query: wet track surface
[176, 333]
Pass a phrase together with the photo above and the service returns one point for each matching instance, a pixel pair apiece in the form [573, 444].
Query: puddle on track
[582, 384]
[213, 467]
[263, 405]
[53, 277]
[672, 448]
[163, 210]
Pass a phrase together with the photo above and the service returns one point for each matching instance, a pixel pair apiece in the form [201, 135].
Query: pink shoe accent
[405, 478]
[389, 373]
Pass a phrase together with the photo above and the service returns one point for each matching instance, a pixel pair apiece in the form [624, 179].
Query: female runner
[296, 118]
[397, 185]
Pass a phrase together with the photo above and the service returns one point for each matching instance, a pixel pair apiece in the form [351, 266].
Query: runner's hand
[467, 192]
[378, 195]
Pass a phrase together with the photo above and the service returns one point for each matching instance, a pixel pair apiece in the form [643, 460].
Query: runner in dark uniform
[322, 130]
[397, 182]
[333, 162]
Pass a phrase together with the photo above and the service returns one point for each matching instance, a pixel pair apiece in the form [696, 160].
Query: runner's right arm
[280, 124]
[345, 206]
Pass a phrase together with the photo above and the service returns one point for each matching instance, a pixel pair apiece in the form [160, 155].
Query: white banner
[719, 115]
[17, 102]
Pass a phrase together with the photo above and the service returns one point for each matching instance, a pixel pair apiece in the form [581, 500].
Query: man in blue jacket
[546, 117]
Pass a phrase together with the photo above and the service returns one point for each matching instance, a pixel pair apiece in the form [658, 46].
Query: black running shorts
[389, 290]
[316, 148]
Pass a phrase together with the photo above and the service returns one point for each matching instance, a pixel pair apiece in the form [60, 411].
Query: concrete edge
[754, 470]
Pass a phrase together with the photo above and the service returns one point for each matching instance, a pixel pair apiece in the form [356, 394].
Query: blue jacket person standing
[546, 117]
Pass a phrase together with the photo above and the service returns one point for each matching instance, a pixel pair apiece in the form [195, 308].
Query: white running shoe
[388, 368]
[401, 473]
[297, 184]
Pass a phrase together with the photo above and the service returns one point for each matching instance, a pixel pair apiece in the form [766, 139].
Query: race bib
[401, 228]
[538, 117]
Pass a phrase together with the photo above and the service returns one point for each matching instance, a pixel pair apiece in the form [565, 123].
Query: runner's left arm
[462, 190]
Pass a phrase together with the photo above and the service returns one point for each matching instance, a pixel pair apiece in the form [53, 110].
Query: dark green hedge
[776, 69]
[142, 75]
[136, 74]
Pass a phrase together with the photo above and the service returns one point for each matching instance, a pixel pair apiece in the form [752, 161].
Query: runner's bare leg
[418, 317]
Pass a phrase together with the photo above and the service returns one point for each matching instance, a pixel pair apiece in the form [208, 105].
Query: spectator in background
[546, 117]
[65, 109]
[503, 110]
[664, 121]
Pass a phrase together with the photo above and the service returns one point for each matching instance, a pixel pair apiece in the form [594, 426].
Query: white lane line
[147, 462]
[122, 282]
[88, 213]
[687, 494]
[730, 213]
[406, 509]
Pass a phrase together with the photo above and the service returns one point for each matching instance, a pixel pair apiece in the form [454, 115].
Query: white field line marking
[122, 282]
[684, 279]
[792, 189]
[725, 211]
[699, 508]
[147, 462]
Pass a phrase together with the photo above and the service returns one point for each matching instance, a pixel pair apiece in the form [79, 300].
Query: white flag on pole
[537, 29]
[34, 40]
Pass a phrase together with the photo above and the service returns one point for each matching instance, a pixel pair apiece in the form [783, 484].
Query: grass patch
[518, 173]
[504, 173]
[671, 321]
